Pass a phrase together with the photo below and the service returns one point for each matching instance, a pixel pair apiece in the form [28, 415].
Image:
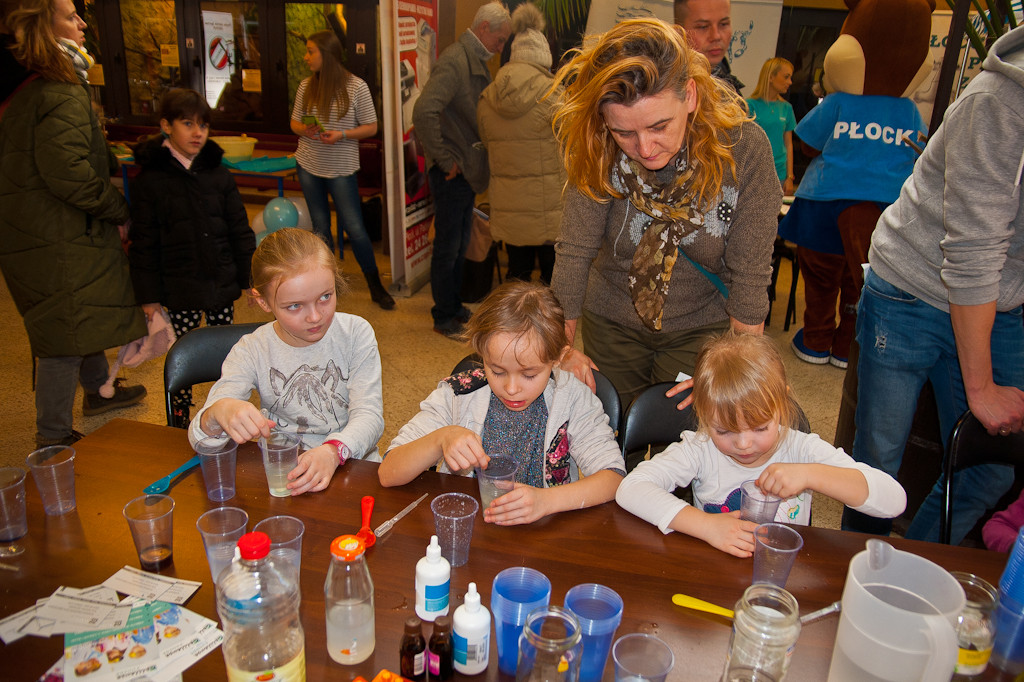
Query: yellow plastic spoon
[689, 602]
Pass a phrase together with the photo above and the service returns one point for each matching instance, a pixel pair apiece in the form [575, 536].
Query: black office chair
[197, 357]
[606, 392]
[969, 445]
[652, 420]
[783, 251]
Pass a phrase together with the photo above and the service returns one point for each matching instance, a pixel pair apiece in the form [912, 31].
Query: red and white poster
[408, 50]
[219, 44]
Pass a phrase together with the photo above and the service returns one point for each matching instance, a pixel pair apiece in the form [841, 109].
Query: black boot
[378, 293]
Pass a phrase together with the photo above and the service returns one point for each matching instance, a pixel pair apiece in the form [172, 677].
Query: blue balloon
[280, 212]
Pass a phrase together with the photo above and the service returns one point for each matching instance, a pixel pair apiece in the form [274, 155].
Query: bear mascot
[862, 139]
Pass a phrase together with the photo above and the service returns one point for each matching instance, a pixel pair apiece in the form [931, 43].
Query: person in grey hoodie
[942, 300]
[445, 121]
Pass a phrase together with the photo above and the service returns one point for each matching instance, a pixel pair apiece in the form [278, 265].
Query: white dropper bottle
[471, 632]
[433, 578]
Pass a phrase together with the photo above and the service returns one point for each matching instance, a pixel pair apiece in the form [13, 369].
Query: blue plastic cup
[514, 594]
[599, 611]
[1011, 583]
[1008, 648]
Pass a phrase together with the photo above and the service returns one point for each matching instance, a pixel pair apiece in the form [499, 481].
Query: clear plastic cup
[217, 460]
[220, 529]
[53, 470]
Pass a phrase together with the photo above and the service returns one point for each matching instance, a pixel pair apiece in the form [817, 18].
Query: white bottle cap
[472, 599]
[433, 550]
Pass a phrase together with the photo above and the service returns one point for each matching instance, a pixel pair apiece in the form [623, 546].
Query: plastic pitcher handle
[945, 648]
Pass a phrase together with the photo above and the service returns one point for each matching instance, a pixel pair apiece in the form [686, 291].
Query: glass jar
[765, 628]
[550, 646]
[975, 628]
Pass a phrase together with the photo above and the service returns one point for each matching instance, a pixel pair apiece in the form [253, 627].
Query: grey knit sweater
[597, 241]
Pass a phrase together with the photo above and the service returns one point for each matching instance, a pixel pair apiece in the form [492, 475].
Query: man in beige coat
[514, 119]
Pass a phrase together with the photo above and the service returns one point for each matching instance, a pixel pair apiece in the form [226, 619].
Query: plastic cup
[775, 550]
[514, 594]
[454, 514]
[285, 533]
[755, 505]
[1008, 647]
[13, 519]
[641, 658]
[217, 460]
[280, 456]
[151, 520]
[497, 479]
[599, 611]
[220, 529]
[1011, 582]
[53, 470]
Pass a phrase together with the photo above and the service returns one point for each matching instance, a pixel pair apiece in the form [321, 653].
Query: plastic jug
[898, 619]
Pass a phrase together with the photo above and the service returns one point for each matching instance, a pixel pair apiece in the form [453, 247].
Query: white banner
[219, 44]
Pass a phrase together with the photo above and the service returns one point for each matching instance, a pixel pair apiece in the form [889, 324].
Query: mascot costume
[861, 138]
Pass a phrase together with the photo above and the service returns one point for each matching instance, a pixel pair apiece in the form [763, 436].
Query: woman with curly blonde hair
[670, 211]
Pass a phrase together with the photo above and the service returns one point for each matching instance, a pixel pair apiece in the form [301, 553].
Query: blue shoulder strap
[713, 278]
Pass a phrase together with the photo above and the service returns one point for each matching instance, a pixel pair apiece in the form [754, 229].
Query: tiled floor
[413, 359]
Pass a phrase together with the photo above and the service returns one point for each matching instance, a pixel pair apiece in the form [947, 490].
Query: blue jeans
[344, 189]
[904, 342]
[453, 220]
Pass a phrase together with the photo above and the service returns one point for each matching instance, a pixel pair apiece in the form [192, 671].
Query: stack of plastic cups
[1008, 650]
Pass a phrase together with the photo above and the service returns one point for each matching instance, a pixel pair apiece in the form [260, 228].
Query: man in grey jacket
[445, 122]
[942, 301]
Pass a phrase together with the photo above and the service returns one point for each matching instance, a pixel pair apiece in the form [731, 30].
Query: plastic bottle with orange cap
[348, 594]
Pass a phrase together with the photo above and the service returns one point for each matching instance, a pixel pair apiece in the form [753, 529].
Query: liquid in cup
[280, 456]
[497, 479]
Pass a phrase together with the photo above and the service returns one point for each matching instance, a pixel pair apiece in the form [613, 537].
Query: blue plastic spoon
[164, 483]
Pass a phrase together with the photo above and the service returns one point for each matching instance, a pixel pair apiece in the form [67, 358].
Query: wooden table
[605, 544]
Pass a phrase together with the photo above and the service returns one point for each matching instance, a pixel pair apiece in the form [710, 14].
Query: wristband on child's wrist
[340, 447]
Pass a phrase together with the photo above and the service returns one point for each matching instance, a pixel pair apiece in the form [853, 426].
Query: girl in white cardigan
[746, 417]
[519, 404]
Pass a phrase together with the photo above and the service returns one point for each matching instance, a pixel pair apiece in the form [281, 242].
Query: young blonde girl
[775, 115]
[520, 404]
[746, 417]
[317, 371]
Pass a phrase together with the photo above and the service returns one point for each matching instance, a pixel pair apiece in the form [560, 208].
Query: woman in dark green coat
[60, 248]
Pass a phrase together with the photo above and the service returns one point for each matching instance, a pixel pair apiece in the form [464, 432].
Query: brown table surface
[604, 544]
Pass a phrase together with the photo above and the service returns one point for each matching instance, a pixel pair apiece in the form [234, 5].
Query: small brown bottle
[439, 651]
[413, 651]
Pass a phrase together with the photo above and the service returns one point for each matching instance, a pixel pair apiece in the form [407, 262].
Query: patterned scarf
[80, 58]
[672, 220]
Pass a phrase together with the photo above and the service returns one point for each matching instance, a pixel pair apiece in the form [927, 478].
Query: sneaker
[841, 363]
[815, 357]
[453, 329]
[94, 403]
[67, 440]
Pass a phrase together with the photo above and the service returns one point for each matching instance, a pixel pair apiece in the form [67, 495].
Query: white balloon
[258, 225]
[305, 222]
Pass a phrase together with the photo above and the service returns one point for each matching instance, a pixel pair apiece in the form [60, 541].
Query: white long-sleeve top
[330, 390]
[716, 480]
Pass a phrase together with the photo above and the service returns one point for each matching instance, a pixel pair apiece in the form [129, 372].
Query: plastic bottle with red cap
[348, 598]
[258, 603]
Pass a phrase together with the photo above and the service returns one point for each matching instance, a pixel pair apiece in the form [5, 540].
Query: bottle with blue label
[471, 632]
[433, 579]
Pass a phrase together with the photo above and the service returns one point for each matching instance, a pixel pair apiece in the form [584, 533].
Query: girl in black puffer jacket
[191, 244]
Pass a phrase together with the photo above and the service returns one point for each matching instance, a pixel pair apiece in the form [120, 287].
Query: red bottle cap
[347, 547]
[254, 545]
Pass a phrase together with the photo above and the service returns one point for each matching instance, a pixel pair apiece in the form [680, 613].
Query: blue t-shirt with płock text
[863, 154]
[777, 119]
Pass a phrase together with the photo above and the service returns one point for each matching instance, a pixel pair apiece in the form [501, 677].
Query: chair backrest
[471, 361]
[609, 397]
[651, 420]
[197, 357]
[606, 392]
[970, 444]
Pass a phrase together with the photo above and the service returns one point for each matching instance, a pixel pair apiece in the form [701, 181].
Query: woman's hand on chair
[580, 365]
[679, 388]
